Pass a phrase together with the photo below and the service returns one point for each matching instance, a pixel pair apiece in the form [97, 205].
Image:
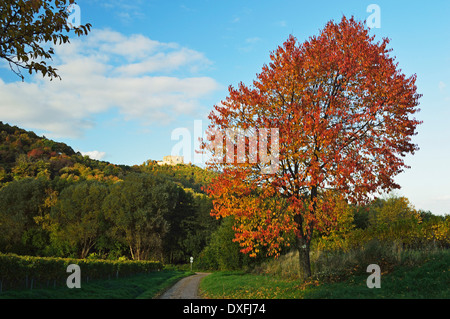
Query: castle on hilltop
[171, 160]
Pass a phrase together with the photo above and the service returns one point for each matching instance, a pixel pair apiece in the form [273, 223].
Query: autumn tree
[26, 26]
[136, 208]
[78, 217]
[21, 202]
[340, 112]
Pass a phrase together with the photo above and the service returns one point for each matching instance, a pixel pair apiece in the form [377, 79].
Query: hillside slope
[56, 202]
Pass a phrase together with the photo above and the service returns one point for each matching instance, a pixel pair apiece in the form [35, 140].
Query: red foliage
[344, 114]
[35, 153]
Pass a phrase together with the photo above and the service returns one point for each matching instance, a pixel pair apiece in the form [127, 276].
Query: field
[414, 278]
[144, 286]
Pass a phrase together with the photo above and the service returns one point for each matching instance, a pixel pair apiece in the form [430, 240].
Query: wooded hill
[56, 202]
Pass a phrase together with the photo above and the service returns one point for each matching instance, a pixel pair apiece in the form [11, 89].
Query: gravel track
[186, 288]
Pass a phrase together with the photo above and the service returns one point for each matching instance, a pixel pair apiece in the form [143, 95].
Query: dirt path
[186, 288]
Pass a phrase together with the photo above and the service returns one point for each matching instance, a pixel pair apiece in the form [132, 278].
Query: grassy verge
[143, 286]
[240, 285]
[429, 279]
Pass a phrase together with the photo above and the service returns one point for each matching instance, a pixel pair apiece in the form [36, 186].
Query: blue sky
[150, 67]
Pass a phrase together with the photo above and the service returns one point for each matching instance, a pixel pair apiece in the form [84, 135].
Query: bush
[222, 253]
[25, 271]
[337, 265]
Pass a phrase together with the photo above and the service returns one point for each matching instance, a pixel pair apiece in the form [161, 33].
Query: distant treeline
[56, 202]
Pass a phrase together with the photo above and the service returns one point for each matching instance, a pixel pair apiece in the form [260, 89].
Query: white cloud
[441, 85]
[249, 44]
[253, 40]
[106, 70]
[443, 198]
[127, 11]
[165, 62]
[97, 155]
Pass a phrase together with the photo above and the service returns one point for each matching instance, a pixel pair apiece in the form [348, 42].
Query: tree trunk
[87, 245]
[131, 251]
[304, 238]
[304, 261]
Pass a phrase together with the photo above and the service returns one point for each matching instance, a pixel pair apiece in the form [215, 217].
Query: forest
[56, 202]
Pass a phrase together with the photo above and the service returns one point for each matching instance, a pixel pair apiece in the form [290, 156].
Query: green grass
[240, 285]
[145, 286]
[429, 279]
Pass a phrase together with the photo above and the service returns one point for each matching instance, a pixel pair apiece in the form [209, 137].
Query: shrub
[20, 271]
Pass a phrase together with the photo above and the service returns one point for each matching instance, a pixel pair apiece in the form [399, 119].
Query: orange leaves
[345, 118]
[260, 217]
